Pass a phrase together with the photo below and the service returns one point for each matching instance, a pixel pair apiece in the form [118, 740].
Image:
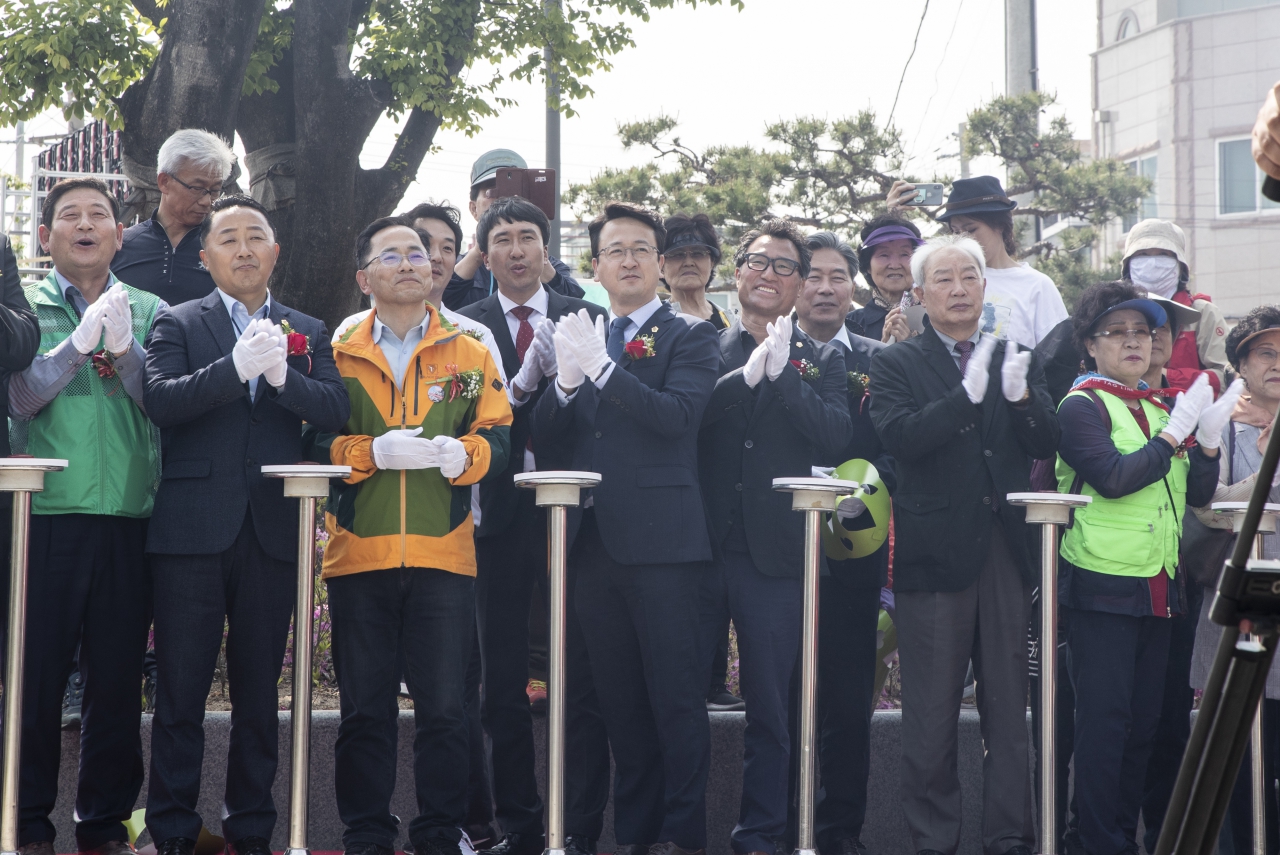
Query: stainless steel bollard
[813, 496]
[1266, 525]
[21, 476]
[1050, 510]
[308, 482]
[556, 491]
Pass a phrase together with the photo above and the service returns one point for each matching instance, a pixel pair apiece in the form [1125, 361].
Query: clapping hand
[778, 343]
[1187, 408]
[1214, 417]
[277, 371]
[976, 373]
[85, 337]
[1013, 373]
[569, 376]
[544, 342]
[587, 342]
[117, 321]
[257, 349]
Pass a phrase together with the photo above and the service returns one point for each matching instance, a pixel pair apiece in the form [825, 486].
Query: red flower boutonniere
[640, 347]
[807, 369]
[104, 365]
[296, 343]
[859, 387]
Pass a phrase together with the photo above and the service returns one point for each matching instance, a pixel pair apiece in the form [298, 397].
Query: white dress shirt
[637, 320]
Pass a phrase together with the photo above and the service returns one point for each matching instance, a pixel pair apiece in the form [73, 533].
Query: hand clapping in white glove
[587, 340]
[544, 341]
[1013, 373]
[276, 372]
[1187, 408]
[453, 456]
[1214, 417]
[255, 350]
[404, 449]
[753, 371]
[85, 337]
[778, 342]
[530, 373]
[570, 375]
[117, 321]
[976, 373]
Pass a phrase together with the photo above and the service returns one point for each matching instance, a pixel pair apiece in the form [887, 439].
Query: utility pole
[1020, 72]
[961, 134]
[552, 9]
[18, 149]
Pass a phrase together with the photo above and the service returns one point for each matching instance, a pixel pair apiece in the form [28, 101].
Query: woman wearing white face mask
[1155, 259]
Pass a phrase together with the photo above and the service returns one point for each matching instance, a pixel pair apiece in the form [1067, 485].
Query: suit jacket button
[748, 444]
[987, 452]
[598, 434]
[986, 500]
[738, 487]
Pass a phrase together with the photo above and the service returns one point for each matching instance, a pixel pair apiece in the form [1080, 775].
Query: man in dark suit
[230, 390]
[849, 603]
[511, 542]
[779, 408]
[963, 434]
[628, 403]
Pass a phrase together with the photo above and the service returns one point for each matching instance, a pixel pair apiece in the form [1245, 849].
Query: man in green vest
[81, 399]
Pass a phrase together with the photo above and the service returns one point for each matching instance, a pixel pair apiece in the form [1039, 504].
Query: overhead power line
[907, 65]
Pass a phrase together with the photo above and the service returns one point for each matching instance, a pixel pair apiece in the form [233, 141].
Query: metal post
[22, 477]
[556, 491]
[552, 7]
[306, 482]
[1050, 510]
[814, 497]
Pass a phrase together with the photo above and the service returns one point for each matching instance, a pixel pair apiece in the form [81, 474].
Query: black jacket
[19, 333]
[463, 292]
[215, 441]
[868, 321]
[781, 428]
[498, 494]
[956, 462]
[871, 571]
[640, 432]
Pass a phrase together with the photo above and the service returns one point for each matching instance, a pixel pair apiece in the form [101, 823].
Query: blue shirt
[396, 351]
[240, 318]
[148, 261]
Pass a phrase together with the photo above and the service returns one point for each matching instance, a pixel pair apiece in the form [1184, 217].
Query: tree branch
[150, 10]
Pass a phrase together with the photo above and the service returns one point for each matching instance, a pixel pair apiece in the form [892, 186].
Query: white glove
[587, 340]
[1013, 373]
[850, 508]
[117, 322]
[778, 342]
[753, 371]
[254, 350]
[452, 456]
[570, 375]
[1187, 408]
[530, 373]
[822, 471]
[86, 336]
[544, 342]
[976, 372]
[404, 449]
[276, 372]
[1214, 417]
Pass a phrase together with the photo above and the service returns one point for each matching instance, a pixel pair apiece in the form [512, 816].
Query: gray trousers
[938, 634]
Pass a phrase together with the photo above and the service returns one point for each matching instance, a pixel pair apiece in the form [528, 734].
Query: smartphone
[927, 195]
[536, 185]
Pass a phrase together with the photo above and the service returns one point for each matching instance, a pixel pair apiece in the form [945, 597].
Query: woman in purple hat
[1021, 303]
[885, 261]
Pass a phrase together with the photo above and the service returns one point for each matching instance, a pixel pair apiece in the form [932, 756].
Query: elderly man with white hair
[162, 254]
[962, 414]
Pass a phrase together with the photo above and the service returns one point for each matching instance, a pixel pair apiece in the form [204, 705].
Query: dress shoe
[515, 843]
[725, 701]
[250, 846]
[176, 846]
[39, 847]
[670, 848]
[575, 844]
[437, 846]
[111, 847]
[369, 849]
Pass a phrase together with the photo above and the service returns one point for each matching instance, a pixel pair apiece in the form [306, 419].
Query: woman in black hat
[884, 259]
[1021, 303]
[689, 264]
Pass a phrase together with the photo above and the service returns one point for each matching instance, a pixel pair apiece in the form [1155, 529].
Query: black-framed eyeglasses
[393, 259]
[758, 261]
[696, 253]
[212, 192]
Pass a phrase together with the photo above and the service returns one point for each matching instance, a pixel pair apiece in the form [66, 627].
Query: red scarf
[1104, 384]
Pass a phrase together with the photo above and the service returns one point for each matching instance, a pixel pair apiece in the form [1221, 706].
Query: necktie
[524, 333]
[965, 349]
[615, 344]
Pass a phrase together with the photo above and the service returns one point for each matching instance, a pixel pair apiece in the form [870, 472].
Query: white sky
[726, 74]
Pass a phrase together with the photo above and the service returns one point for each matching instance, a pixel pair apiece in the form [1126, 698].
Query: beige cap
[1156, 234]
[1185, 316]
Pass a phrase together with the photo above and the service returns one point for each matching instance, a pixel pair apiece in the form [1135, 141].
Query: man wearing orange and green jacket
[429, 418]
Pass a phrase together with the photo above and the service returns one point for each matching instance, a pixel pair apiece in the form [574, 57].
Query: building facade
[1176, 88]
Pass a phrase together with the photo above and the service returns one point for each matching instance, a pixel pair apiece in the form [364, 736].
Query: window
[1128, 25]
[1239, 180]
[1147, 208]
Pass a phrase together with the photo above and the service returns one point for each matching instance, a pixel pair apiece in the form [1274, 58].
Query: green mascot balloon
[869, 530]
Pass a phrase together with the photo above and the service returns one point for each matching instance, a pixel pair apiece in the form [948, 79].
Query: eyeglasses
[758, 261]
[1264, 357]
[201, 192]
[641, 253]
[393, 259]
[1124, 335]
[679, 256]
